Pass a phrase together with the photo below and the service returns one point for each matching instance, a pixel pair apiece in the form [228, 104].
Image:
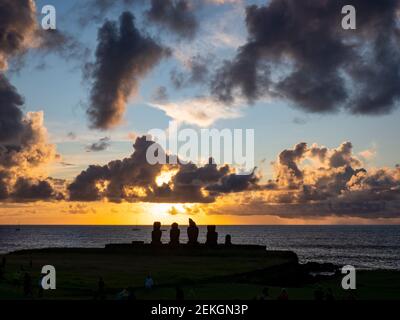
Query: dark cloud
[17, 27]
[29, 189]
[123, 57]
[315, 182]
[241, 74]
[116, 179]
[343, 156]
[32, 190]
[191, 182]
[334, 169]
[335, 179]
[23, 145]
[20, 31]
[297, 50]
[198, 72]
[30, 148]
[84, 187]
[23, 138]
[235, 183]
[100, 145]
[288, 163]
[10, 113]
[176, 15]
[308, 182]
[134, 179]
[190, 174]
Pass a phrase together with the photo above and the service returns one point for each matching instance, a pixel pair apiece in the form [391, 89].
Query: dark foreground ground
[207, 274]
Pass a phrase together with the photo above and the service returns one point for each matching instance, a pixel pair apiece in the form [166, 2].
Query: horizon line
[223, 225]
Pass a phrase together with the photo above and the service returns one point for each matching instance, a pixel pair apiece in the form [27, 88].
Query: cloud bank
[317, 181]
[134, 179]
[298, 51]
[308, 181]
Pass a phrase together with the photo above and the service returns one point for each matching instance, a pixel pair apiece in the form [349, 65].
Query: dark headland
[211, 270]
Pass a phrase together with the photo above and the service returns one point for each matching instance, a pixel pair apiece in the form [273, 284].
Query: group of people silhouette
[192, 233]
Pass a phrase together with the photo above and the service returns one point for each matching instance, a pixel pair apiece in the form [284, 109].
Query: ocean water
[368, 247]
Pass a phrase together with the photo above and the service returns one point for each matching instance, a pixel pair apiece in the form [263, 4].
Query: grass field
[200, 277]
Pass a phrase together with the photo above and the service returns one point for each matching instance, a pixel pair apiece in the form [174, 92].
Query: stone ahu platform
[141, 249]
[221, 250]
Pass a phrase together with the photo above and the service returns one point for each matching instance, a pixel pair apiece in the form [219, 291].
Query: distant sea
[367, 247]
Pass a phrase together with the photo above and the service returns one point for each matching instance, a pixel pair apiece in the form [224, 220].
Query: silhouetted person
[1, 273]
[212, 236]
[179, 294]
[27, 285]
[156, 233]
[192, 232]
[101, 289]
[283, 295]
[329, 295]
[228, 240]
[174, 234]
[3, 262]
[148, 282]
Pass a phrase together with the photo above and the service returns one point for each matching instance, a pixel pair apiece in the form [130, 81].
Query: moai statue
[174, 234]
[156, 233]
[192, 232]
[212, 236]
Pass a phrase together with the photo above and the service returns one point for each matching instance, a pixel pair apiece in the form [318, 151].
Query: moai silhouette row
[192, 232]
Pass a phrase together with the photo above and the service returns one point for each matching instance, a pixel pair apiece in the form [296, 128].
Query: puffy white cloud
[202, 111]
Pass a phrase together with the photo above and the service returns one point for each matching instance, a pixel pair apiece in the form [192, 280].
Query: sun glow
[102, 185]
[168, 212]
[165, 177]
[169, 209]
[138, 192]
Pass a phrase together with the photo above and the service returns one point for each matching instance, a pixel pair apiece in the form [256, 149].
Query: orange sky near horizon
[105, 213]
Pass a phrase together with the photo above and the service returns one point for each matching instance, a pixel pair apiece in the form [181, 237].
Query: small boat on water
[135, 228]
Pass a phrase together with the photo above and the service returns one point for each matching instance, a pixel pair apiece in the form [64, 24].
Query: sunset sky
[76, 102]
